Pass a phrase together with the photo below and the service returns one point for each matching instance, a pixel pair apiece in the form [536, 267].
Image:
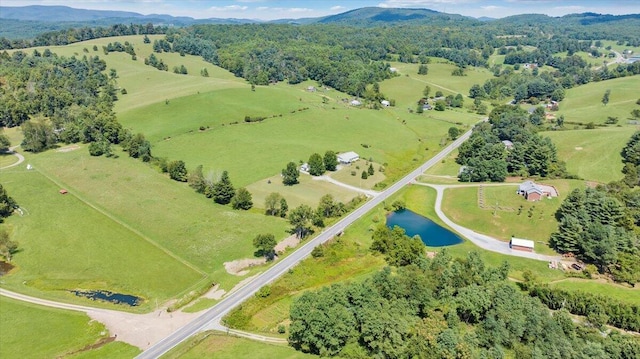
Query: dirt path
[12, 151]
[140, 330]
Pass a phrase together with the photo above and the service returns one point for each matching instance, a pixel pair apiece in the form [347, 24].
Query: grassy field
[593, 154]
[308, 191]
[606, 289]
[146, 85]
[345, 175]
[514, 217]
[31, 331]
[221, 346]
[583, 104]
[66, 244]
[183, 235]
[7, 159]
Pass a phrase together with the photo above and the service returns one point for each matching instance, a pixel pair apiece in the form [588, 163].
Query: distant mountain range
[28, 21]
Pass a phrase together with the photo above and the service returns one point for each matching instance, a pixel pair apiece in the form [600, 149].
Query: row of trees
[7, 206]
[442, 308]
[318, 165]
[221, 191]
[486, 158]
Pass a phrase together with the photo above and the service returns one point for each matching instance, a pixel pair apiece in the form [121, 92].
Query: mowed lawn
[514, 215]
[593, 154]
[66, 244]
[221, 346]
[583, 104]
[308, 191]
[169, 214]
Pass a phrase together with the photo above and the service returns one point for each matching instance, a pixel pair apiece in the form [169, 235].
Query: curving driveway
[12, 151]
[481, 240]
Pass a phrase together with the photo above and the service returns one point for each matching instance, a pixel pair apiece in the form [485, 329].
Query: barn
[520, 244]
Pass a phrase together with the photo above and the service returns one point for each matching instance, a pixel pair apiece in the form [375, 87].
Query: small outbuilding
[385, 103]
[520, 244]
[304, 167]
[507, 144]
[348, 157]
[311, 89]
[63, 191]
[356, 103]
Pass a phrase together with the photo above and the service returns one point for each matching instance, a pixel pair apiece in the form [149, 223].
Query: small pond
[431, 233]
[105, 295]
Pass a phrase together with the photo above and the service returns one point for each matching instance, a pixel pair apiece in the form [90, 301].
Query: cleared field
[506, 214]
[7, 159]
[253, 151]
[66, 244]
[593, 154]
[308, 191]
[606, 289]
[170, 215]
[583, 104]
[32, 331]
[220, 346]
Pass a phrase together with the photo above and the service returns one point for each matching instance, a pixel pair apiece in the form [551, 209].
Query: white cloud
[228, 8]
[569, 8]
[337, 8]
[491, 7]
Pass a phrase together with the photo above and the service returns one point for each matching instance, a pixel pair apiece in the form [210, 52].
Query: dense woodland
[443, 308]
[601, 225]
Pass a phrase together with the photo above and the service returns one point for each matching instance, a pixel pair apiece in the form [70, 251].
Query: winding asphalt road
[211, 318]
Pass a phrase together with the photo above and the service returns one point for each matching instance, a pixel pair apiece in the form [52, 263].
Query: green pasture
[407, 88]
[583, 104]
[65, 244]
[619, 48]
[593, 155]
[505, 213]
[254, 151]
[146, 85]
[308, 191]
[222, 346]
[33, 331]
[346, 174]
[163, 213]
[605, 289]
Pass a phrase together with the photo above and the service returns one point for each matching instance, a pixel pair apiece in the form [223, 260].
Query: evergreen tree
[370, 170]
[223, 190]
[177, 170]
[242, 199]
[7, 204]
[196, 180]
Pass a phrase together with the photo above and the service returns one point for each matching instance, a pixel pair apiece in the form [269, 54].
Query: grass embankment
[593, 155]
[504, 213]
[32, 331]
[221, 346]
[605, 289]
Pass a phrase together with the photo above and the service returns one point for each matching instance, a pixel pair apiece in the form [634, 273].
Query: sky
[285, 9]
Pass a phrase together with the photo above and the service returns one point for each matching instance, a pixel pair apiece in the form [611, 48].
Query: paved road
[211, 318]
[12, 151]
[481, 240]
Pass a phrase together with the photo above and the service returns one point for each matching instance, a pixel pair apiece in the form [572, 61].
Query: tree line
[486, 158]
